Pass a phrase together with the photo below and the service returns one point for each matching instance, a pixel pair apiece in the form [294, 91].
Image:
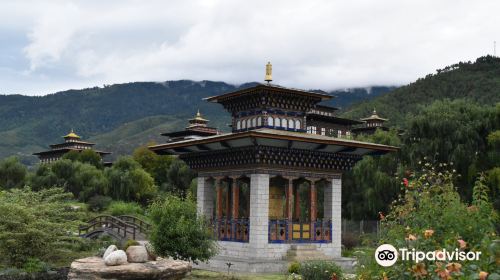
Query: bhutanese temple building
[196, 129]
[271, 188]
[72, 142]
[371, 124]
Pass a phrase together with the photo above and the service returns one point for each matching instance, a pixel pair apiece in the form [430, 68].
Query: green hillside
[477, 81]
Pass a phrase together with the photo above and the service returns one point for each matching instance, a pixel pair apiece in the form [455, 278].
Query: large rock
[110, 250]
[93, 268]
[137, 254]
[116, 258]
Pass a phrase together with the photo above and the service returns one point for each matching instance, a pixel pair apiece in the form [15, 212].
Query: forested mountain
[477, 81]
[119, 117]
[122, 116]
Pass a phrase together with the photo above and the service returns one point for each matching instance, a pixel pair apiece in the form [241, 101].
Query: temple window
[313, 130]
[291, 124]
[238, 125]
[270, 121]
[254, 122]
[277, 122]
[339, 133]
[284, 123]
[309, 129]
[249, 123]
[259, 121]
[297, 124]
[243, 124]
[323, 131]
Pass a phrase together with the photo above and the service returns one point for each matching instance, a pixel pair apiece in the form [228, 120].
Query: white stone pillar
[204, 197]
[259, 213]
[336, 216]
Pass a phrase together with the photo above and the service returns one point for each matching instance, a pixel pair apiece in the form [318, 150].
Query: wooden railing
[237, 230]
[123, 227]
[142, 226]
[284, 231]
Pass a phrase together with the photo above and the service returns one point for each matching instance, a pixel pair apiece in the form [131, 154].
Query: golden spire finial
[269, 73]
[72, 134]
[198, 113]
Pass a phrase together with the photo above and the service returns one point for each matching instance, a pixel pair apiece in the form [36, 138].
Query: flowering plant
[430, 216]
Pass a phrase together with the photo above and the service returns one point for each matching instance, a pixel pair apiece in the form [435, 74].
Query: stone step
[305, 252]
[302, 247]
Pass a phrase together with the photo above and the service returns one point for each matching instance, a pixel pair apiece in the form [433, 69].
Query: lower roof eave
[274, 138]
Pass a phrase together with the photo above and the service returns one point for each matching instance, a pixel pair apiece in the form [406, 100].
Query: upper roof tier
[374, 117]
[263, 96]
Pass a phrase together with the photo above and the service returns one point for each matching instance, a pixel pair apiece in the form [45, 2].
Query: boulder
[116, 258]
[151, 254]
[110, 250]
[137, 254]
[93, 268]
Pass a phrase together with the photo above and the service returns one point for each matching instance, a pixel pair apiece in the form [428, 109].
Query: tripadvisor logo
[387, 255]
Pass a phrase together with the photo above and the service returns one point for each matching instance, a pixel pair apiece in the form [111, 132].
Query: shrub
[99, 203]
[320, 270]
[35, 265]
[178, 232]
[117, 208]
[36, 225]
[129, 243]
[294, 267]
[431, 216]
[350, 240]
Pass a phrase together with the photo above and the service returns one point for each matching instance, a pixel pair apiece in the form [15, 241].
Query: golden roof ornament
[198, 117]
[269, 73]
[72, 134]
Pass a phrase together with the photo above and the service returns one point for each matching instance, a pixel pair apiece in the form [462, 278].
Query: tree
[82, 179]
[179, 178]
[157, 166]
[12, 173]
[178, 232]
[85, 156]
[455, 132]
[129, 182]
[372, 179]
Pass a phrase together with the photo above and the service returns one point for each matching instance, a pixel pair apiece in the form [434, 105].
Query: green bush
[33, 265]
[117, 208]
[294, 267]
[36, 225]
[129, 243]
[350, 240]
[98, 203]
[178, 232]
[320, 270]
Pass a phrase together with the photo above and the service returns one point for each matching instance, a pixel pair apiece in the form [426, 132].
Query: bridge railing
[142, 226]
[107, 222]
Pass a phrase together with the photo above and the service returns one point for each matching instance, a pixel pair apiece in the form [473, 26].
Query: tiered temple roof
[72, 142]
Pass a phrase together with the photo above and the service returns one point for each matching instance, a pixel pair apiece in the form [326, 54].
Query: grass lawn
[205, 274]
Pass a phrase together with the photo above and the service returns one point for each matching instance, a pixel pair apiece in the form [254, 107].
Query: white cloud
[312, 44]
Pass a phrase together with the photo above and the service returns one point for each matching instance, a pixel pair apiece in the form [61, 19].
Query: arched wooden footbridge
[121, 228]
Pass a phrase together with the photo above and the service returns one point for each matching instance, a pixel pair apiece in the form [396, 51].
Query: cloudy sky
[48, 46]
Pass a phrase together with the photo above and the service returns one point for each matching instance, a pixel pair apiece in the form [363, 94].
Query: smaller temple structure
[371, 124]
[72, 142]
[197, 128]
[322, 120]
